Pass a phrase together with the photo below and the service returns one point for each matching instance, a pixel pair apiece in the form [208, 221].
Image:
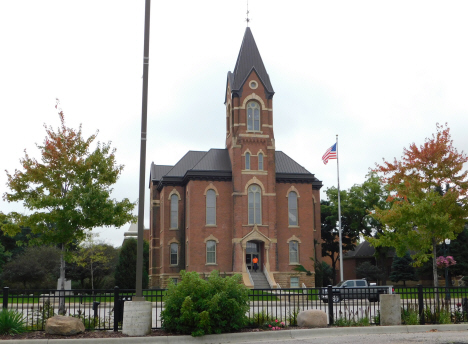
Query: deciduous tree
[68, 191]
[422, 215]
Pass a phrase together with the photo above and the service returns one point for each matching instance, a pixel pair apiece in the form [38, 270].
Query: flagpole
[339, 211]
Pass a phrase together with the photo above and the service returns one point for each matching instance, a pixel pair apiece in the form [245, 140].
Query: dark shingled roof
[365, 250]
[284, 164]
[249, 58]
[187, 162]
[214, 160]
[158, 171]
[216, 164]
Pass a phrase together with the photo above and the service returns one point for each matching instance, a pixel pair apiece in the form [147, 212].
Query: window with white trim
[255, 205]
[247, 161]
[174, 254]
[293, 252]
[211, 207]
[292, 208]
[253, 116]
[174, 211]
[211, 252]
[294, 282]
[260, 162]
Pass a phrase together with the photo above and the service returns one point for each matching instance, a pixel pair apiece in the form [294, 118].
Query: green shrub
[196, 306]
[410, 315]
[11, 322]
[259, 319]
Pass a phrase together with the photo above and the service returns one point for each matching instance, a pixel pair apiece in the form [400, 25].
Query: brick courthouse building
[219, 209]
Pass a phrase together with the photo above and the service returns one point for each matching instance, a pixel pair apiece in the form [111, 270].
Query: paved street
[394, 338]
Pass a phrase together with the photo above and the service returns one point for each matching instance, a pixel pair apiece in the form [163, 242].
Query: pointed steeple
[249, 59]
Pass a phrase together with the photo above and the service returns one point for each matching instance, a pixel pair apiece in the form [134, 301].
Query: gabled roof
[216, 164]
[288, 170]
[249, 59]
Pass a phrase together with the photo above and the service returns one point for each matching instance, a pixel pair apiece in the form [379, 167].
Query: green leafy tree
[362, 199]
[36, 267]
[368, 271]
[95, 260]
[68, 191]
[421, 215]
[459, 250]
[125, 272]
[196, 306]
[403, 269]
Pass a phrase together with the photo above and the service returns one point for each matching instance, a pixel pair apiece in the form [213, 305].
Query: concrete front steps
[259, 280]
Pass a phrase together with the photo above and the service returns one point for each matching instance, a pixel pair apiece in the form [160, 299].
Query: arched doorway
[253, 250]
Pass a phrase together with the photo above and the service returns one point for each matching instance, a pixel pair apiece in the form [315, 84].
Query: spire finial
[247, 19]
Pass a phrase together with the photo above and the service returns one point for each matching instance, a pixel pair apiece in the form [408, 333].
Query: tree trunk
[62, 310]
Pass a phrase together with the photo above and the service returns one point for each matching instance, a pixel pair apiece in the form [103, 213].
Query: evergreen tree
[125, 272]
[369, 271]
[403, 269]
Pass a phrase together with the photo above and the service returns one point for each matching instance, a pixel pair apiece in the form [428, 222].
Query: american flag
[329, 154]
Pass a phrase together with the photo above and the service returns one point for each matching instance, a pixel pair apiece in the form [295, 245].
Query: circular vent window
[253, 84]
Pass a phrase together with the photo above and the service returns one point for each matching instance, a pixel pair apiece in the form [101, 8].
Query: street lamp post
[446, 251]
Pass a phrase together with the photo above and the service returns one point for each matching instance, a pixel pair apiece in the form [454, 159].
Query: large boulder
[312, 318]
[63, 325]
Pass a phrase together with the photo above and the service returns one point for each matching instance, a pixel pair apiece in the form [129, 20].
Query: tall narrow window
[211, 252]
[293, 252]
[292, 208]
[255, 205]
[210, 207]
[253, 116]
[247, 161]
[260, 162]
[174, 211]
[174, 254]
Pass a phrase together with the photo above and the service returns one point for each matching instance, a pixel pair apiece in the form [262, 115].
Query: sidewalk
[282, 335]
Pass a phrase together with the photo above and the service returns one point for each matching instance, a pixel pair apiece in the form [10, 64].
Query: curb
[254, 336]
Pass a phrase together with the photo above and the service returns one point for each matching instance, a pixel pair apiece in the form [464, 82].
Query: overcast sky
[380, 74]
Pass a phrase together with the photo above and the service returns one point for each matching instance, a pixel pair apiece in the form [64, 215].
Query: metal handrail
[267, 275]
[250, 277]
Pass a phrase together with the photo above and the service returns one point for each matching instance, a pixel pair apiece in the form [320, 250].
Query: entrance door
[252, 251]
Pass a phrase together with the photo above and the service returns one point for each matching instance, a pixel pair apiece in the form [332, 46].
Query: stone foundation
[284, 279]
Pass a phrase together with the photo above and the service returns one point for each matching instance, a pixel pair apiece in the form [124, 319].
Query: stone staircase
[259, 280]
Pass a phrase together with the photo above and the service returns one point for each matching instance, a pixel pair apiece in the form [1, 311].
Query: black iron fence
[103, 309]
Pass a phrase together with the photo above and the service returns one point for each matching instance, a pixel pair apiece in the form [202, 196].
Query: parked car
[355, 289]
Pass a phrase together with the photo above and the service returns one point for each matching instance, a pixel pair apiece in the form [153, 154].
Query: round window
[253, 84]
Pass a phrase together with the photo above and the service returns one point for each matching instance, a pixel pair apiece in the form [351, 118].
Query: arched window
[174, 252]
[174, 211]
[210, 207]
[211, 252]
[293, 252]
[255, 205]
[292, 208]
[253, 116]
[247, 161]
[260, 162]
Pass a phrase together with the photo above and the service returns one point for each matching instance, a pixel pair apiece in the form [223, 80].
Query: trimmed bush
[11, 322]
[198, 307]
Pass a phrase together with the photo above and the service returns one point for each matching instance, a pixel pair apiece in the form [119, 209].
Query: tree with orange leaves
[428, 195]
[67, 192]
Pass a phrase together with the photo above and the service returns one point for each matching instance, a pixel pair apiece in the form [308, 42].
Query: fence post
[330, 305]
[5, 297]
[116, 309]
[422, 321]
